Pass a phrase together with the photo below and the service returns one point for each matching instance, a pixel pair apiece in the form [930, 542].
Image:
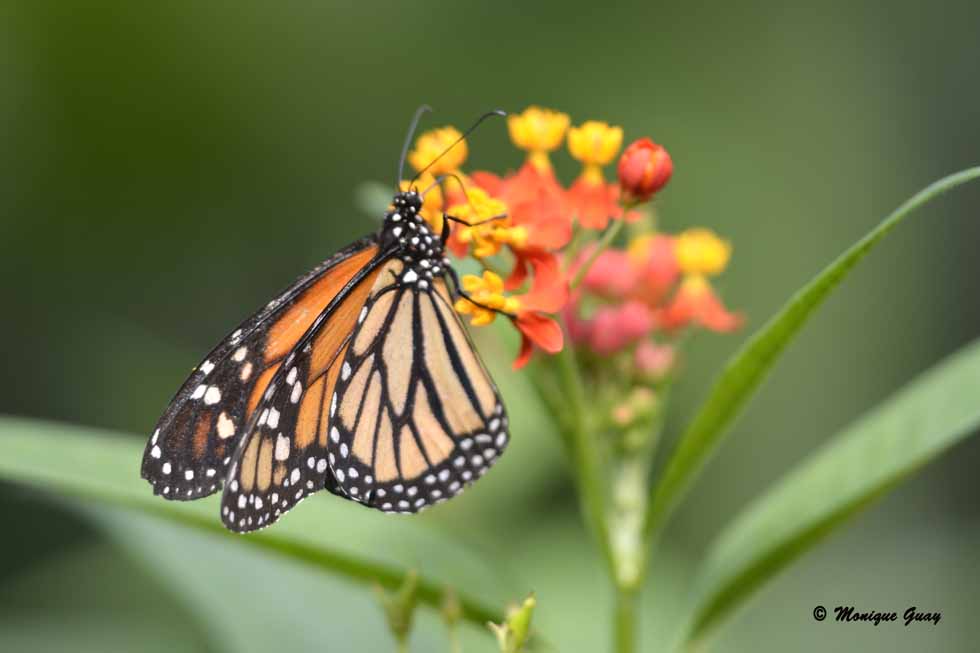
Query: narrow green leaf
[747, 368]
[866, 460]
[338, 537]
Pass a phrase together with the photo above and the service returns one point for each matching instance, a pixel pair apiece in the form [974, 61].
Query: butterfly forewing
[194, 442]
[415, 416]
[284, 456]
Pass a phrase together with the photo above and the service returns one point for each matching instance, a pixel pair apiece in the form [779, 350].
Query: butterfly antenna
[422, 110]
[489, 114]
[443, 178]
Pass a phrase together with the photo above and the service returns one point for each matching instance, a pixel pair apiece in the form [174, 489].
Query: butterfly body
[359, 379]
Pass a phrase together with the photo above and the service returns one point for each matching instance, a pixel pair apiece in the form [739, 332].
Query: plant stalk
[585, 454]
[625, 620]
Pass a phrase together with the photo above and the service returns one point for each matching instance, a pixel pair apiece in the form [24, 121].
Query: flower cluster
[537, 241]
[638, 299]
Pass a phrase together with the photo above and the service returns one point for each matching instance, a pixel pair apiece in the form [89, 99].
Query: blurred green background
[166, 167]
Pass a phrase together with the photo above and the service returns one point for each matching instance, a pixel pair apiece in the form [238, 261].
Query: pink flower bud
[615, 328]
[644, 169]
[611, 275]
[654, 361]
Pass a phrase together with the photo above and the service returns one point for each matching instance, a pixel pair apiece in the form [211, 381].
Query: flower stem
[625, 621]
[585, 454]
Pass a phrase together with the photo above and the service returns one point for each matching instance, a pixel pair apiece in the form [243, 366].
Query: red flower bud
[644, 168]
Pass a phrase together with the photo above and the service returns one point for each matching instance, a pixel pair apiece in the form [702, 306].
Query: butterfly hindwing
[415, 416]
[188, 455]
[283, 456]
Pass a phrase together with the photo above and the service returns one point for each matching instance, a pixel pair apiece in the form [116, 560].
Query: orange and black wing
[417, 417]
[284, 455]
[189, 453]
[387, 403]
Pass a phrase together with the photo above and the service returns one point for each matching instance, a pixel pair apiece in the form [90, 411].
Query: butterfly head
[406, 230]
[408, 202]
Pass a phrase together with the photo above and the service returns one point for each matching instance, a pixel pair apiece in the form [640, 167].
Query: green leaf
[746, 370]
[338, 537]
[866, 460]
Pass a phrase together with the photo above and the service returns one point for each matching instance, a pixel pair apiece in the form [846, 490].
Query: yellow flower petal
[430, 145]
[538, 131]
[701, 252]
[594, 142]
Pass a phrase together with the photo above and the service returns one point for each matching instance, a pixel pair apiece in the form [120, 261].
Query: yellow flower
[490, 228]
[538, 131]
[433, 143]
[432, 202]
[701, 252]
[488, 293]
[595, 144]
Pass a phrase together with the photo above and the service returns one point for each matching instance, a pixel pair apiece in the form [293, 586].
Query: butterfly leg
[446, 219]
[459, 292]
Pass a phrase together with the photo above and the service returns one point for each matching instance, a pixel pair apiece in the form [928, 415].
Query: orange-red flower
[538, 131]
[548, 294]
[537, 209]
[594, 201]
[654, 260]
[644, 169]
[700, 253]
[696, 303]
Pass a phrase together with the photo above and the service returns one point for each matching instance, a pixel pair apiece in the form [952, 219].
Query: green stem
[625, 621]
[605, 241]
[585, 453]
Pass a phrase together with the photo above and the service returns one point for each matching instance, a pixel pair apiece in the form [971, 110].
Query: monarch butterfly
[359, 378]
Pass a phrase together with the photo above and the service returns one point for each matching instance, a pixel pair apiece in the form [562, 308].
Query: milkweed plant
[602, 292]
[602, 289]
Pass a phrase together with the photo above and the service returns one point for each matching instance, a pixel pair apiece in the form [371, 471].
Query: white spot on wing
[212, 396]
[239, 354]
[282, 447]
[206, 367]
[226, 427]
